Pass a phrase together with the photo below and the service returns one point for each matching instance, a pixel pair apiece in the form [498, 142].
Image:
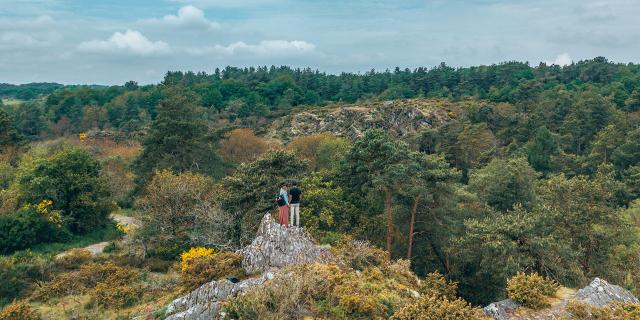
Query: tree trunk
[387, 193]
[416, 202]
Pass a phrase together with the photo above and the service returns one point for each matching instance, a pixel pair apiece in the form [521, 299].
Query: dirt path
[98, 248]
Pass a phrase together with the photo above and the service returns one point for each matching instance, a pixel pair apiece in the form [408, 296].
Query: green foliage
[24, 229]
[505, 183]
[74, 181]
[8, 134]
[531, 290]
[18, 274]
[250, 191]
[177, 139]
[540, 150]
[434, 284]
[325, 208]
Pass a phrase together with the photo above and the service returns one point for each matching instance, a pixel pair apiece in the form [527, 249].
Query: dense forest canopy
[529, 169]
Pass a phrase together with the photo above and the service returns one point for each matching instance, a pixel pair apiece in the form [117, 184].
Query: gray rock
[402, 117]
[501, 310]
[599, 293]
[274, 247]
[277, 246]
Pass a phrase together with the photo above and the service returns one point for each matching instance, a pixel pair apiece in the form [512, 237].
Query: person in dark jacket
[294, 205]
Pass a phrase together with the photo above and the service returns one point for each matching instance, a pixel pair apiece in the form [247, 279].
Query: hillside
[428, 191]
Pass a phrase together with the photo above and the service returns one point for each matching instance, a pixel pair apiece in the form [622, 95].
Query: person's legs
[291, 210]
[295, 215]
[283, 216]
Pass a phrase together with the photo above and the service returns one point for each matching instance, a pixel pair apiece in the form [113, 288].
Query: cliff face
[401, 117]
[273, 248]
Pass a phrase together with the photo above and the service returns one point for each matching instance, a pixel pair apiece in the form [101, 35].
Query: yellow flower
[193, 253]
[82, 136]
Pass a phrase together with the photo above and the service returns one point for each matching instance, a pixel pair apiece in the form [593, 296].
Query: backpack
[280, 200]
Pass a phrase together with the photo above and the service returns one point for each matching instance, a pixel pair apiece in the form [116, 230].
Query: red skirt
[283, 219]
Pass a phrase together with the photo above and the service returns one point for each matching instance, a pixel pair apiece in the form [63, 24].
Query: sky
[114, 41]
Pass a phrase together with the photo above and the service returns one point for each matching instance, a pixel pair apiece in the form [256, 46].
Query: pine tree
[177, 139]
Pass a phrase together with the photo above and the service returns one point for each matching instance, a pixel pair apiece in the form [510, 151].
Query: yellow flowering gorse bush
[193, 253]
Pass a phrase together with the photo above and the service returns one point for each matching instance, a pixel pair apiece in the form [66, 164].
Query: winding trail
[98, 248]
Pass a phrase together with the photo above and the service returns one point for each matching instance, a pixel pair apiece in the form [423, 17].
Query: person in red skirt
[283, 205]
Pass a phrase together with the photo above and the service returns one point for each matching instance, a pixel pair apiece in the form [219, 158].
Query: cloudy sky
[110, 42]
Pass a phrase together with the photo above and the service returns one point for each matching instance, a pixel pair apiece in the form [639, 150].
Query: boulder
[274, 247]
[277, 246]
[501, 310]
[599, 293]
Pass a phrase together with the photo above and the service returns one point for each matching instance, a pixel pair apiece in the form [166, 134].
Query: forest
[530, 169]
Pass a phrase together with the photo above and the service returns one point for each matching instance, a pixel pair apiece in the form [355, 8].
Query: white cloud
[561, 60]
[26, 23]
[264, 48]
[129, 42]
[229, 3]
[188, 16]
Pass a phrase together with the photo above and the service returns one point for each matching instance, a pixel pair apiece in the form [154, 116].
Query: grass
[11, 101]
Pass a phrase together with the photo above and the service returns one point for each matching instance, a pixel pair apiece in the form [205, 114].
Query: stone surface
[274, 247]
[501, 310]
[277, 246]
[401, 117]
[599, 293]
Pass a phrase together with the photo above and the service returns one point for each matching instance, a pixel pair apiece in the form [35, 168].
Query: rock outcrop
[274, 247]
[598, 294]
[401, 117]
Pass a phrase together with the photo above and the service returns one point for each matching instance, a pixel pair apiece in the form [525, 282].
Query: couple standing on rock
[284, 205]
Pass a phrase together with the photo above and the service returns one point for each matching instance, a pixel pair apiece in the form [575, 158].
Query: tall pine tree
[177, 139]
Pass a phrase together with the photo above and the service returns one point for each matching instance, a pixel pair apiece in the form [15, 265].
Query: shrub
[360, 255]
[192, 254]
[119, 289]
[436, 285]
[531, 290]
[73, 259]
[613, 311]
[157, 265]
[17, 275]
[19, 311]
[430, 307]
[86, 277]
[24, 229]
[73, 180]
[327, 292]
[205, 268]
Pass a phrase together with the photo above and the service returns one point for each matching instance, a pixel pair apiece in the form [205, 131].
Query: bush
[17, 276]
[436, 285]
[19, 311]
[205, 268]
[87, 277]
[72, 179]
[24, 229]
[73, 259]
[430, 307]
[157, 265]
[360, 255]
[613, 311]
[531, 290]
[327, 292]
[119, 289]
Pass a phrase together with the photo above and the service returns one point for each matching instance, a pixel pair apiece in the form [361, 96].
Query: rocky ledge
[401, 117]
[598, 294]
[274, 247]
